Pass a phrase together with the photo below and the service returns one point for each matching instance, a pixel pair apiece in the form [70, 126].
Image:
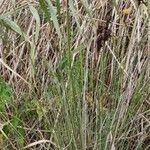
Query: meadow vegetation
[74, 74]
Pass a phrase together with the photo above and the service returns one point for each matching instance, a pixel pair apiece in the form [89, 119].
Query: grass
[74, 75]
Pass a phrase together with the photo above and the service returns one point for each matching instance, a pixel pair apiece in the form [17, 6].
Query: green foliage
[79, 96]
[8, 23]
[5, 95]
[17, 131]
[51, 14]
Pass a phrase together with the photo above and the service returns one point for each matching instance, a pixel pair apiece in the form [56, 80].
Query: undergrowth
[74, 74]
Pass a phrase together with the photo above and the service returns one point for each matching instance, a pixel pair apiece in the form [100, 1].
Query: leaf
[54, 17]
[11, 25]
[37, 18]
[58, 7]
[51, 14]
[43, 6]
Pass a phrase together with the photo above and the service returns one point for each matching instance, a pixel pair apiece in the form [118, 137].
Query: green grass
[73, 75]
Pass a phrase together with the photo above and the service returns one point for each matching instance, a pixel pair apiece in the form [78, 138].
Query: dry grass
[77, 74]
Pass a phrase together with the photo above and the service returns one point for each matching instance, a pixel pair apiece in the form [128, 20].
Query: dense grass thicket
[75, 74]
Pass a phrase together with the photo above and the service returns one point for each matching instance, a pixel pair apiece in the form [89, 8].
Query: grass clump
[74, 75]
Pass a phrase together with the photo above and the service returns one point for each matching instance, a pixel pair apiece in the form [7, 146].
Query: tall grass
[74, 75]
